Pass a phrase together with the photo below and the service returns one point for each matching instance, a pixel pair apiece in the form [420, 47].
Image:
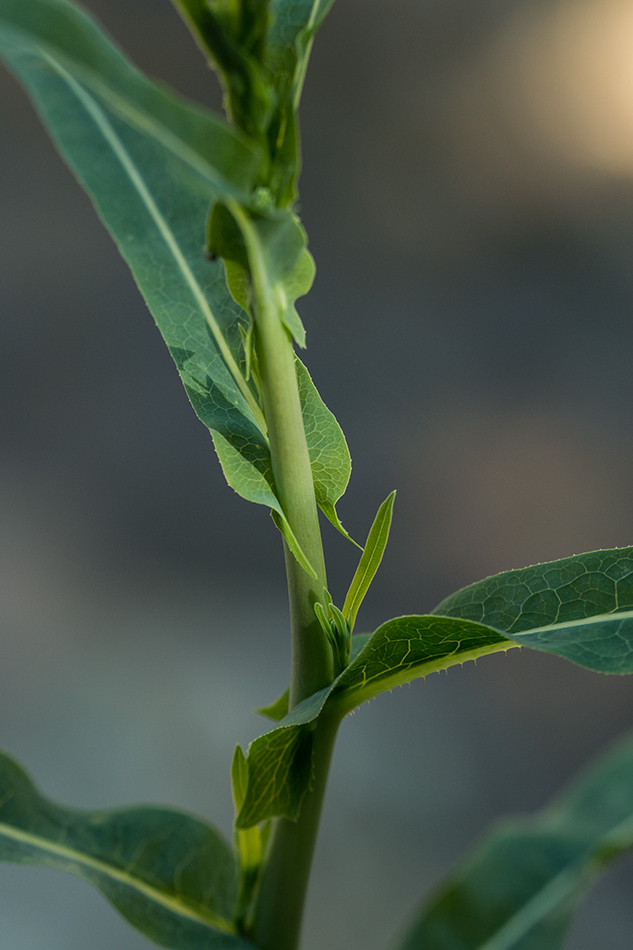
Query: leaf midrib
[555, 891]
[352, 696]
[613, 615]
[155, 895]
[99, 118]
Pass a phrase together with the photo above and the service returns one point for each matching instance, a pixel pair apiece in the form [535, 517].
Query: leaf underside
[172, 876]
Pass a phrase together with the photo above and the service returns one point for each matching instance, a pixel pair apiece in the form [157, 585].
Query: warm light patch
[573, 64]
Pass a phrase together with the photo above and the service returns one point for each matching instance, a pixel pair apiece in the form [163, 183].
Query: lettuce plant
[203, 209]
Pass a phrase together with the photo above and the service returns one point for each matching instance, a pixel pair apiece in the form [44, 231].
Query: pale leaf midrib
[97, 115]
[70, 854]
[583, 622]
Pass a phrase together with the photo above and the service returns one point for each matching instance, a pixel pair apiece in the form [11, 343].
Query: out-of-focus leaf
[36, 36]
[580, 608]
[520, 888]
[172, 876]
[248, 843]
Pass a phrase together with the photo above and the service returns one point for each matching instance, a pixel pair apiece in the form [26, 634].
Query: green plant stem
[312, 665]
[285, 874]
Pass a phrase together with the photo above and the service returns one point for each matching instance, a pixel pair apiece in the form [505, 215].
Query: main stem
[286, 870]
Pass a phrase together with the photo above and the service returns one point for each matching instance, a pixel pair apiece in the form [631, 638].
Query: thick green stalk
[285, 876]
[312, 667]
[286, 871]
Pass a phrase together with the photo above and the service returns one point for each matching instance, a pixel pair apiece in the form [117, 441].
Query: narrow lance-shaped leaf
[370, 559]
[521, 886]
[172, 876]
[152, 198]
[36, 32]
[147, 159]
[580, 608]
[248, 843]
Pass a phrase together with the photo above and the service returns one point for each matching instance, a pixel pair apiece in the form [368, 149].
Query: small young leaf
[248, 843]
[239, 777]
[290, 539]
[520, 888]
[279, 241]
[329, 455]
[172, 876]
[370, 559]
[276, 710]
[280, 765]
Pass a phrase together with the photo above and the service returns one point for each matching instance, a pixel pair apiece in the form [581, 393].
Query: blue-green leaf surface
[170, 875]
[580, 608]
[152, 197]
[293, 24]
[520, 888]
[153, 163]
[39, 35]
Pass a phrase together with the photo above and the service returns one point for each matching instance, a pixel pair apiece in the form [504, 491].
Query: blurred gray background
[468, 192]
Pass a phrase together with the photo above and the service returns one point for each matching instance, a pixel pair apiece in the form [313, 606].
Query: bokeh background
[468, 191]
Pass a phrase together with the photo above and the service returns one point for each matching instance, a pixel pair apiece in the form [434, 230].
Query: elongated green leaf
[293, 24]
[586, 599]
[152, 164]
[151, 197]
[170, 875]
[580, 608]
[519, 889]
[36, 33]
[370, 560]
